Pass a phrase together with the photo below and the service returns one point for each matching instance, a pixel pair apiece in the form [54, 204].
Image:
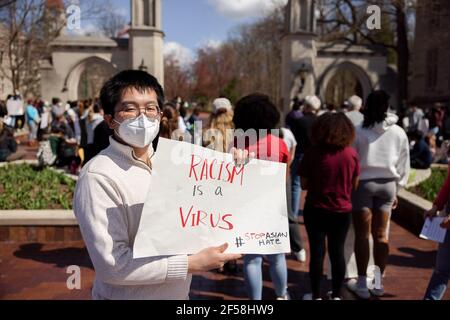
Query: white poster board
[198, 198]
[15, 107]
[433, 231]
[45, 120]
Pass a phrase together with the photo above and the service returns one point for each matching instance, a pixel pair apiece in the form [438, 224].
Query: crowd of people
[350, 162]
[354, 163]
[69, 134]
[428, 134]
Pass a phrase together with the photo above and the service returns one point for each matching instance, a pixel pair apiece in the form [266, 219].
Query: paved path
[38, 271]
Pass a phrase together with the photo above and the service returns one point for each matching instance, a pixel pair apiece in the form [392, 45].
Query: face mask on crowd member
[138, 132]
[137, 118]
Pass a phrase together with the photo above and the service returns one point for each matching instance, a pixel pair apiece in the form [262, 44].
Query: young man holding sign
[110, 196]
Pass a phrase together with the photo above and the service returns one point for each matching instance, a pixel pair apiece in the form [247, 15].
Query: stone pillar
[146, 38]
[298, 52]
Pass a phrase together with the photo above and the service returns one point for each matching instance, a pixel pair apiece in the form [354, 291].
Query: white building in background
[332, 71]
[430, 81]
[79, 65]
[6, 86]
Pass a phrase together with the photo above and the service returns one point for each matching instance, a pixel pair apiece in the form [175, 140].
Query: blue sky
[193, 22]
[190, 24]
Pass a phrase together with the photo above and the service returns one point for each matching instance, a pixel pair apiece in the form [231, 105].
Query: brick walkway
[30, 152]
[38, 271]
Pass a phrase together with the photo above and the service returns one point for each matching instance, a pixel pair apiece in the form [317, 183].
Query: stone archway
[340, 82]
[342, 85]
[86, 78]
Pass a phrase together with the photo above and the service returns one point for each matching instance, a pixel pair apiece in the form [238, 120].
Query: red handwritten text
[194, 218]
[204, 169]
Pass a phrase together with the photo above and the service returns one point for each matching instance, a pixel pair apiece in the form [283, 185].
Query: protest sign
[198, 198]
[15, 107]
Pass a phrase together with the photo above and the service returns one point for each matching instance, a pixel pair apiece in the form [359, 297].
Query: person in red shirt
[442, 198]
[441, 274]
[256, 117]
[329, 171]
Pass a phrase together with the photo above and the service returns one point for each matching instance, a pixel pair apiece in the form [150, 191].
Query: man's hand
[446, 223]
[241, 157]
[431, 213]
[210, 258]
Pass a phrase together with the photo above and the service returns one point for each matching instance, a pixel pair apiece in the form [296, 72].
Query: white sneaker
[287, 296]
[361, 292]
[309, 296]
[301, 255]
[330, 296]
[377, 292]
[373, 290]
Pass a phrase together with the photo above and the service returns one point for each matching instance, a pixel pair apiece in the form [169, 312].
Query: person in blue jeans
[257, 112]
[441, 274]
[254, 279]
[296, 186]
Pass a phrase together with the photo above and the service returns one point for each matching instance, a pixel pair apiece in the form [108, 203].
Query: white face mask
[138, 132]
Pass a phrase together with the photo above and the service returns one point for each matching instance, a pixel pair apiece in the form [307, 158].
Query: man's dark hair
[376, 108]
[3, 109]
[182, 110]
[170, 104]
[333, 131]
[56, 100]
[73, 104]
[415, 135]
[197, 111]
[97, 108]
[256, 111]
[115, 87]
[297, 104]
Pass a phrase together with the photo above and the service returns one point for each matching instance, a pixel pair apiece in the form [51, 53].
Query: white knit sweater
[383, 151]
[108, 203]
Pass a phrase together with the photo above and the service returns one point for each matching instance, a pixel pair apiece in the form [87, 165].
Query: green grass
[412, 176]
[26, 187]
[429, 189]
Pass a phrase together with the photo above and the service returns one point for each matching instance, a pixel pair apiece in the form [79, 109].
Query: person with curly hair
[329, 171]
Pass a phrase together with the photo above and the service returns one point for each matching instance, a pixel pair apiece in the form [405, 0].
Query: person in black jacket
[301, 127]
[421, 157]
[102, 133]
[8, 145]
